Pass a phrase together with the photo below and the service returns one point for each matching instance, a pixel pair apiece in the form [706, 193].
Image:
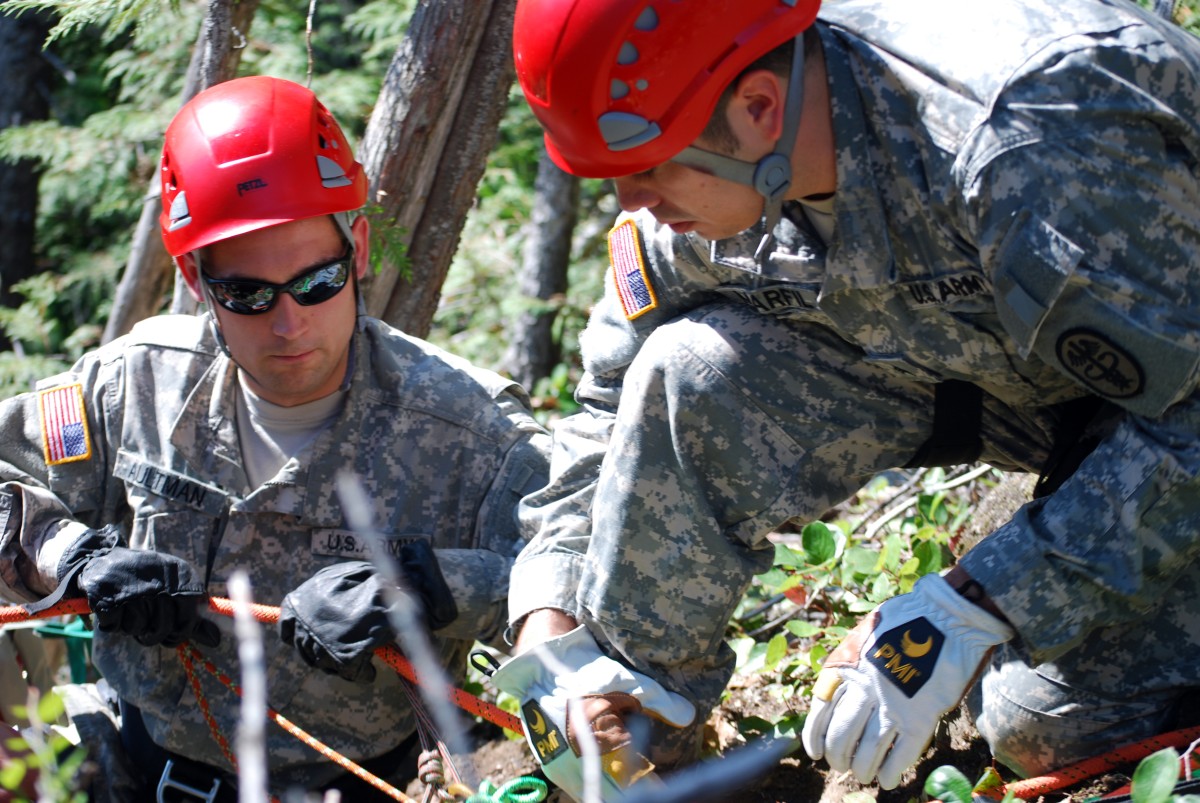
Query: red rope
[1095, 766]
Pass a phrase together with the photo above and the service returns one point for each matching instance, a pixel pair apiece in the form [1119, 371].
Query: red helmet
[623, 85]
[251, 153]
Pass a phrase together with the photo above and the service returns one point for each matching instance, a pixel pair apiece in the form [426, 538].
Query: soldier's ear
[756, 108]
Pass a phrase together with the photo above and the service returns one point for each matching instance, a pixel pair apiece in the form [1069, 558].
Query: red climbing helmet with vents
[251, 153]
[621, 86]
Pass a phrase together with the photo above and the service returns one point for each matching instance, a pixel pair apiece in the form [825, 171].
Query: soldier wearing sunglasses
[197, 446]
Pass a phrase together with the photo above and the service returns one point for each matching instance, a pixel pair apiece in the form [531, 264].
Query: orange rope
[1097, 765]
[15, 613]
[270, 614]
[396, 660]
[189, 653]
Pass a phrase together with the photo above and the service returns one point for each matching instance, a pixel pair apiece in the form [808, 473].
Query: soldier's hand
[880, 694]
[337, 618]
[155, 597]
[569, 669]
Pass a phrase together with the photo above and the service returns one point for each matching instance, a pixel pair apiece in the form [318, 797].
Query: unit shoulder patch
[629, 274]
[65, 435]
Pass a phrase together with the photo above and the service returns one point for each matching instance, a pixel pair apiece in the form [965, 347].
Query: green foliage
[42, 748]
[827, 574]
[113, 17]
[383, 23]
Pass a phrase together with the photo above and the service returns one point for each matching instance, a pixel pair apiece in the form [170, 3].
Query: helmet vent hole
[628, 54]
[322, 143]
[647, 20]
[618, 89]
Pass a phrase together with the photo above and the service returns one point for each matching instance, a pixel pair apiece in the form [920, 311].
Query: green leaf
[776, 648]
[861, 561]
[819, 542]
[990, 779]
[930, 555]
[802, 628]
[1155, 777]
[50, 707]
[753, 726]
[790, 726]
[12, 773]
[949, 785]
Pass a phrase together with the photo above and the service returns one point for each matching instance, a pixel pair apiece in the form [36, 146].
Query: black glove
[152, 596]
[339, 616]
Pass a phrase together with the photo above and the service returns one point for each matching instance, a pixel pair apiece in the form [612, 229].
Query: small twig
[962, 479]
[308, 28]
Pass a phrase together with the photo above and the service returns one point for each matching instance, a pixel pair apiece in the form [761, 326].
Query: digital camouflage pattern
[1017, 207]
[444, 452]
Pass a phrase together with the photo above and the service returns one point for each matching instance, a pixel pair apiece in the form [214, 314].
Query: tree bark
[545, 256]
[25, 75]
[149, 273]
[426, 146]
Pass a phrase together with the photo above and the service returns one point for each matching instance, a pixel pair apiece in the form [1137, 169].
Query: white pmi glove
[881, 693]
[574, 668]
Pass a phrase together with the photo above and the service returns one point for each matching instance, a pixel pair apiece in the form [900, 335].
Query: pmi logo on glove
[545, 739]
[907, 654]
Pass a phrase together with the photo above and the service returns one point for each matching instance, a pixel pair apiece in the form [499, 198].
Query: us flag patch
[64, 425]
[629, 270]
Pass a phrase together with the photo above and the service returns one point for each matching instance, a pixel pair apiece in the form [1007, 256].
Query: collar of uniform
[860, 255]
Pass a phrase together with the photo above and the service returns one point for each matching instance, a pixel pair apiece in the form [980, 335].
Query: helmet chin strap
[772, 174]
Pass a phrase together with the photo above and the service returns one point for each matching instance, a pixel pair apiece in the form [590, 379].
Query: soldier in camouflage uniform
[160, 464]
[942, 232]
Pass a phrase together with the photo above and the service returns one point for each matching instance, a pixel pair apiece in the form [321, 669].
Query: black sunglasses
[248, 297]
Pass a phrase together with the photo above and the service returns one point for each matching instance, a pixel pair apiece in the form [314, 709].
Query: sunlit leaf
[801, 628]
[1155, 777]
[776, 649]
[12, 773]
[820, 543]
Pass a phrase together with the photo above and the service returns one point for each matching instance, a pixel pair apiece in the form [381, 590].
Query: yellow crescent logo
[913, 650]
[538, 724]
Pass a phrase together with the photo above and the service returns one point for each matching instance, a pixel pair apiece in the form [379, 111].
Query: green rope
[521, 790]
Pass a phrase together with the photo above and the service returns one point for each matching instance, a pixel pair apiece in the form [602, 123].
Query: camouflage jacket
[1017, 207]
[444, 451]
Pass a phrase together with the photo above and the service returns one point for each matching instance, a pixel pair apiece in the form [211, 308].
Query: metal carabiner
[167, 782]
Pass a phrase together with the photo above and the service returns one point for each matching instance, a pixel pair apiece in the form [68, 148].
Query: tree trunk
[533, 352]
[25, 75]
[149, 273]
[426, 146]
